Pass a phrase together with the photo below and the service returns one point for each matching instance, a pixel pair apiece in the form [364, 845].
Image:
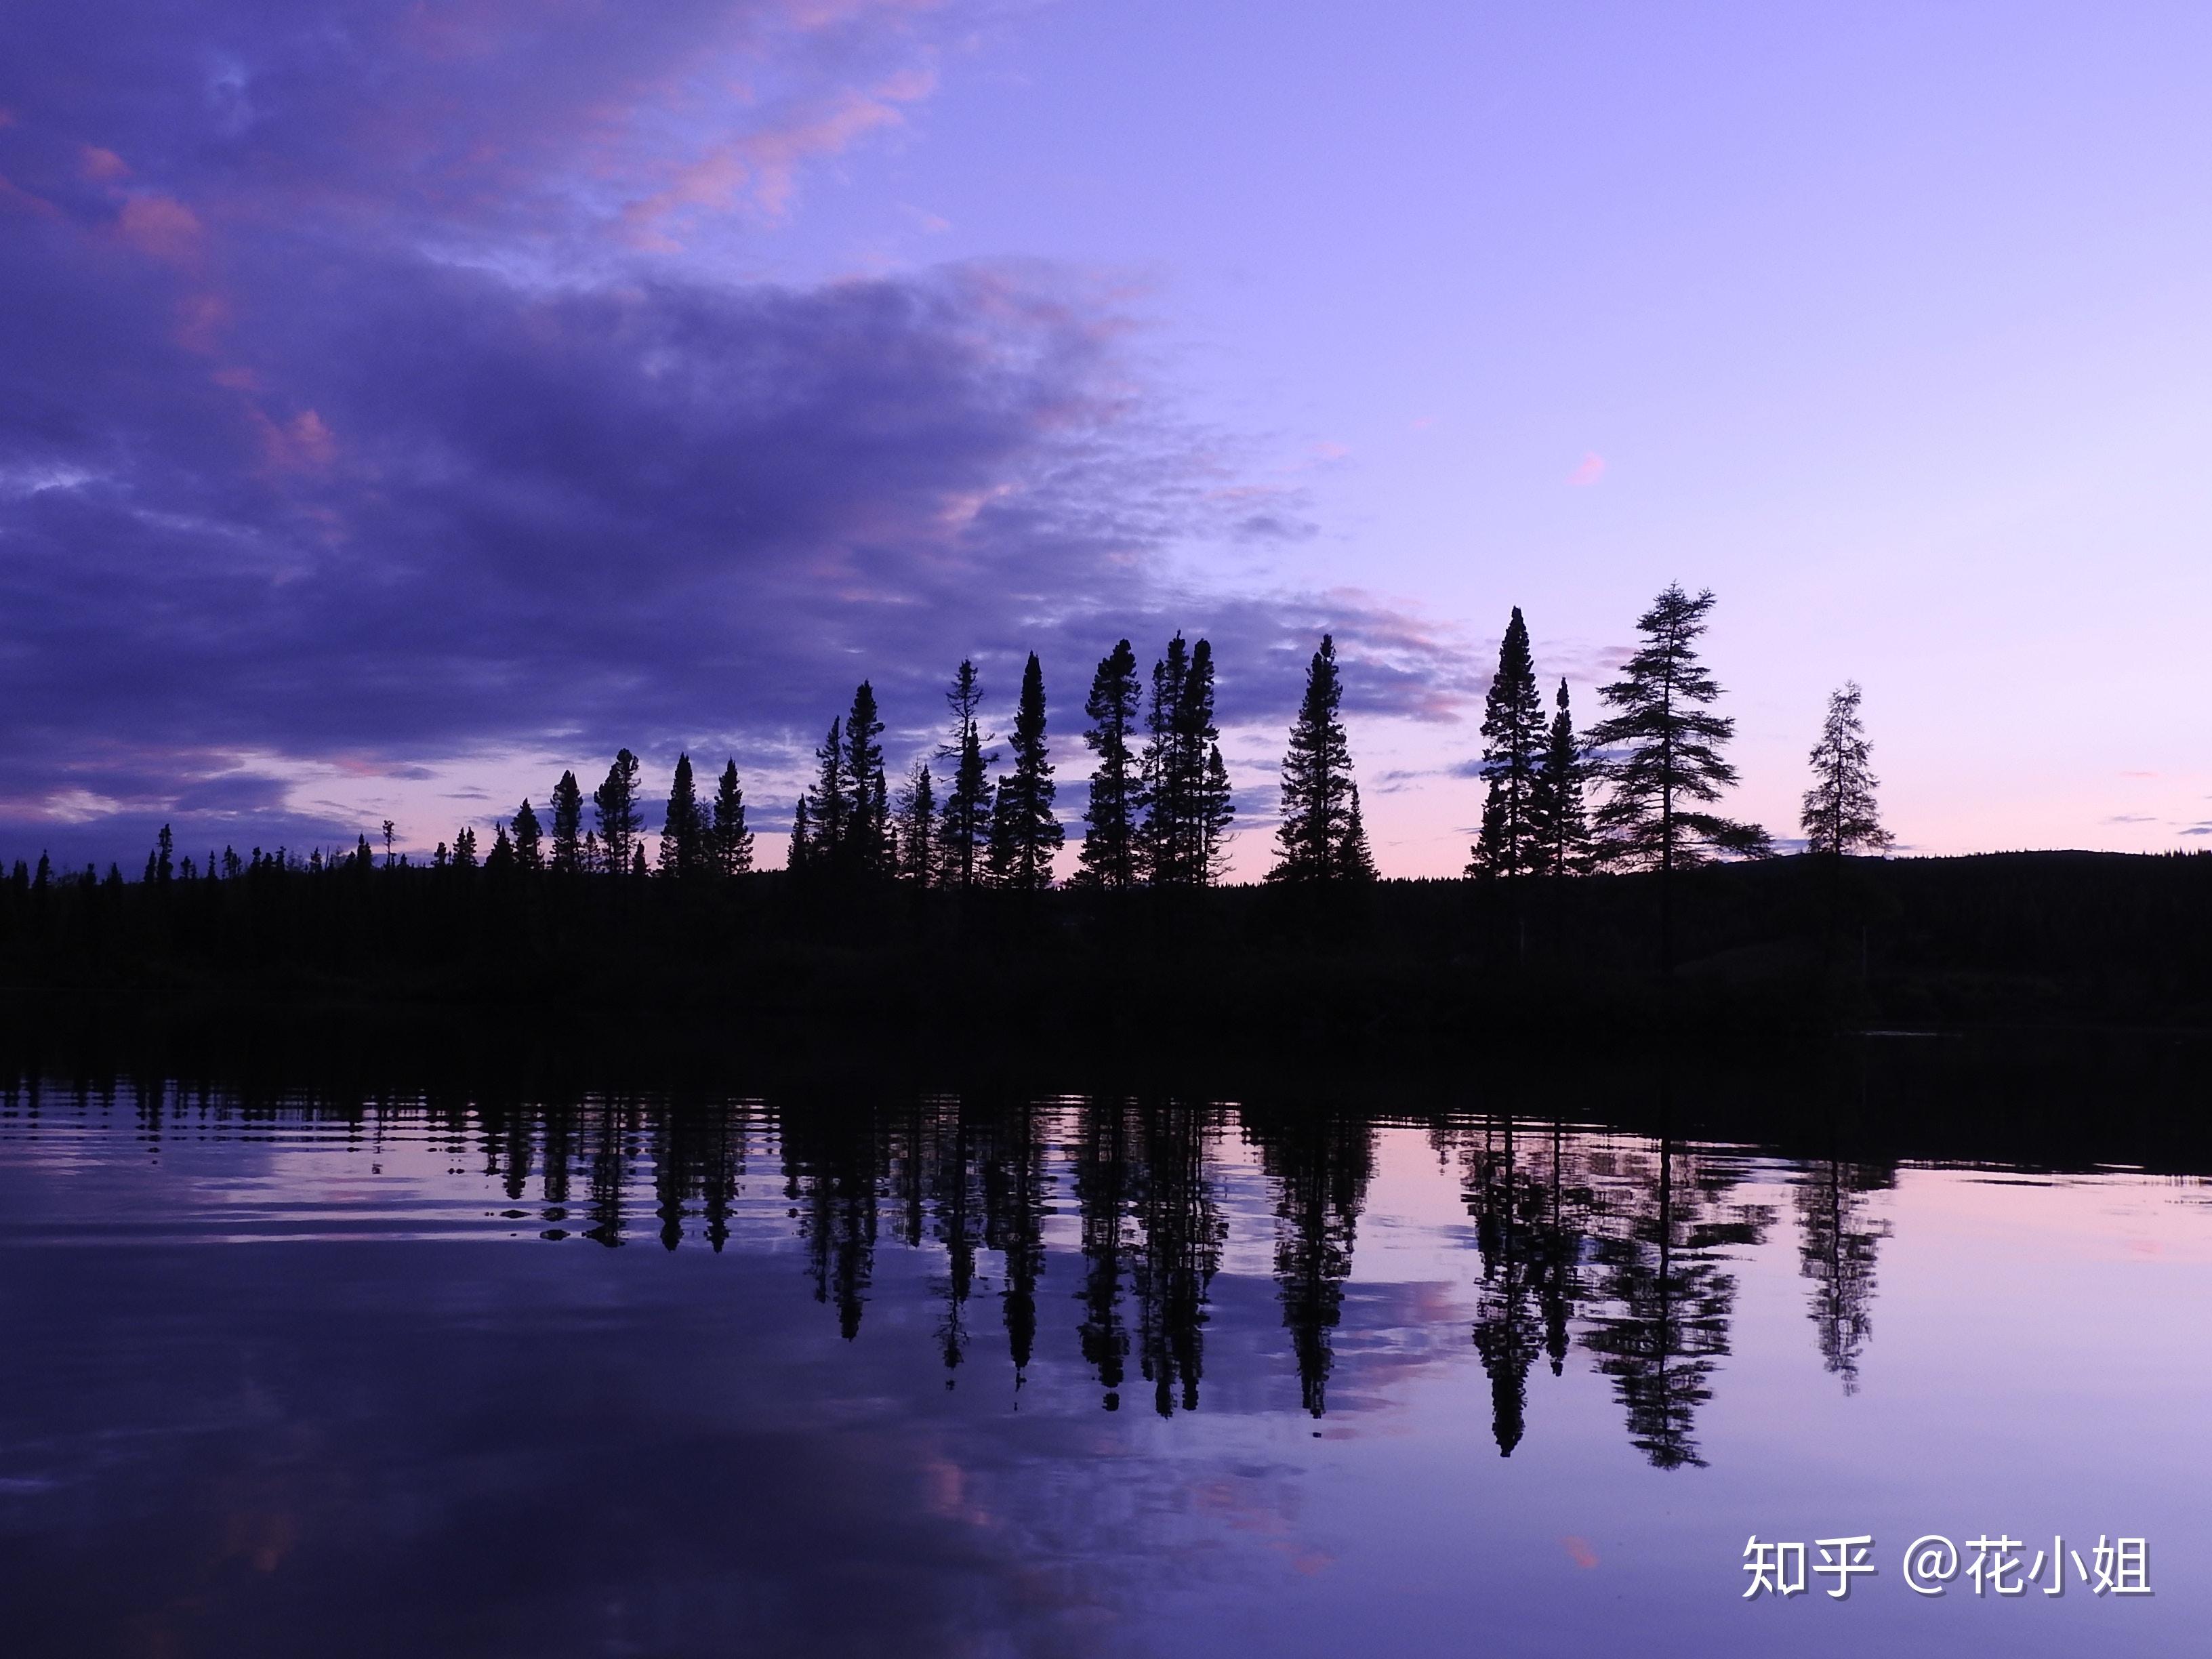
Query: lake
[1016, 1373]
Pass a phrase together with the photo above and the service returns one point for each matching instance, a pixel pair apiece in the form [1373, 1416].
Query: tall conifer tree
[1315, 837]
[731, 842]
[1666, 764]
[529, 842]
[1109, 854]
[620, 821]
[685, 830]
[1558, 820]
[802, 838]
[1513, 722]
[828, 806]
[1839, 815]
[568, 826]
[867, 841]
[964, 827]
[914, 821]
[1025, 833]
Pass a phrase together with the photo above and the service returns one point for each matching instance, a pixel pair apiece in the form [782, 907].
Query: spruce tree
[464, 848]
[828, 807]
[915, 824]
[1666, 763]
[1513, 722]
[802, 838]
[592, 858]
[684, 829]
[1559, 823]
[730, 842]
[568, 826]
[867, 838]
[1840, 815]
[620, 822]
[500, 859]
[1162, 784]
[1025, 833]
[1315, 837]
[1217, 809]
[1358, 862]
[964, 827]
[529, 844]
[1109, 854]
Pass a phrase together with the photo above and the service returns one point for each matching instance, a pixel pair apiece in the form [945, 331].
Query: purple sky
[401, 402]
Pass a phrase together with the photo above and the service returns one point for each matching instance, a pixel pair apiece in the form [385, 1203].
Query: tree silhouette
[1513, 722]
[529, 842]
[802, 837]
[915, 827]
[1321, 1161]
[1315, 840]
[1558, 822]
[1836, 1245]
[1025, 833]
[730, 844]
[616, 803]
[1664, 764]
[1839, 813]
[1108, 857]
[964, 828]
[866, 849]
[1508, 1334]
[1102, 1180]
[1181, 1232]
[685, 830]
[1668, 762]
[567, 825]
[1188, 807]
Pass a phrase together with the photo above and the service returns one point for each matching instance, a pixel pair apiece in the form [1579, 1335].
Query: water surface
[929, 1375]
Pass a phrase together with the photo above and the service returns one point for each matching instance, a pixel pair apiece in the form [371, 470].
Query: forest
[1605, 891]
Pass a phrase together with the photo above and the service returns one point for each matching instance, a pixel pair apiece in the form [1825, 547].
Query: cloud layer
[361, 408]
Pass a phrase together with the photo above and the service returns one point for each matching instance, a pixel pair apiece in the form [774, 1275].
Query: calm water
[1063, 1376]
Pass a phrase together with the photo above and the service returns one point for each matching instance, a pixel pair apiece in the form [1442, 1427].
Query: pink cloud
[160, 227]
[1591, 469]
[301, 445]
[1579, 1551]
[99, 165]
[1421, 422]
[15, 198]
[761, 168]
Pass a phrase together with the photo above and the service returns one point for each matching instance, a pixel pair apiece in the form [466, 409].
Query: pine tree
[1109, 854]
[1314, 836]
[592, 858]
[1025, 833]
[828, 806]
[500, 859]
[1163, 784]
[1217, 809]
[1513, 722]
[730, 842]
[165, 848]
[620, 823]
[684, 830]
[802, 838]
[637, 860]
[964, 828]
[867, 840]
[1186, 810]
[914, 824]
[1357, 861]
[464, 848]
[1667, 763]
[1559, 825]
[529, 849]
[1840, 815]
[567, 825]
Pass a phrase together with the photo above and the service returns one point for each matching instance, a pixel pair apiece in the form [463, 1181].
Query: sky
[400, 404]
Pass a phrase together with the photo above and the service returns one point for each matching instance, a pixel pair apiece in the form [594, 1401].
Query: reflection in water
[1837, 1241]
[382, 1411]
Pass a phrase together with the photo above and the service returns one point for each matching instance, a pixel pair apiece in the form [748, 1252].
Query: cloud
[341, 428]
[1588, 471]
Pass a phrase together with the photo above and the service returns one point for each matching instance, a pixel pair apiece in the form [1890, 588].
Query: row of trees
[1659, 758]
[1159, 806]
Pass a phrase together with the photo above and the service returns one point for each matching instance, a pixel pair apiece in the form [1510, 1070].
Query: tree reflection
[1321, 1161]
[1836, 1243]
